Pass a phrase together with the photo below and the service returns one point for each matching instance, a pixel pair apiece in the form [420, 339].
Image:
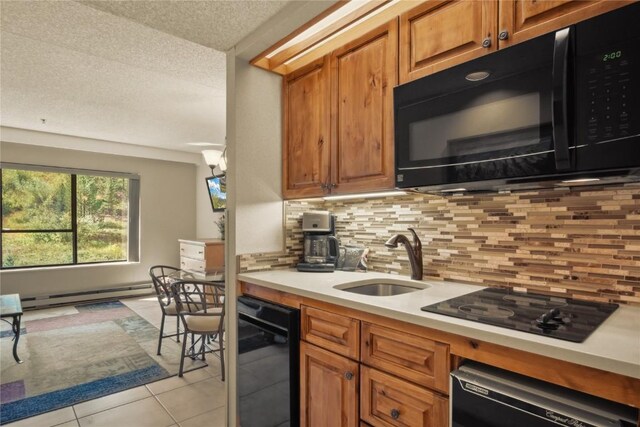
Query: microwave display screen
[612, 55]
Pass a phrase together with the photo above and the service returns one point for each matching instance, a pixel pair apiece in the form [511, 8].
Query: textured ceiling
[213, 23]
[93, 74]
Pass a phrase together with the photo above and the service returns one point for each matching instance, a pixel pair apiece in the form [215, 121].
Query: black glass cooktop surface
[562, 318]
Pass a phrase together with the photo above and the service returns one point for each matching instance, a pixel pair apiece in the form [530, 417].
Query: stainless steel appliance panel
[483, 396]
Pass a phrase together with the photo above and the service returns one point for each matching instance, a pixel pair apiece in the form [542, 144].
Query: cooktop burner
[562, 318]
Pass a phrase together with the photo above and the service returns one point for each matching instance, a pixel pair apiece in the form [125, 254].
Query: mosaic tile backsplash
[581, 243]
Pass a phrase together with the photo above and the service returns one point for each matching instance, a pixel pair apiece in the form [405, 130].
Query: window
[52, 216]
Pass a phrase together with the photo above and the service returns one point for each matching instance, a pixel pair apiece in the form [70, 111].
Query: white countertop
[613, 347]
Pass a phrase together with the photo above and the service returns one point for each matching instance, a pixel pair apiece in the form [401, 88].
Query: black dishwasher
[268, 378]
[483, 396]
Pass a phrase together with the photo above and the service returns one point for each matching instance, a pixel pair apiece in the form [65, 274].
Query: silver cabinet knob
[348, 375]
[395, 414]
[504, 35]
[486, 42]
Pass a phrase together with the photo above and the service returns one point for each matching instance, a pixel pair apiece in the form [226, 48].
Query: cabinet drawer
[340, 334]
[192, 264]
[414, 358]
[388, 401]
[191, 251]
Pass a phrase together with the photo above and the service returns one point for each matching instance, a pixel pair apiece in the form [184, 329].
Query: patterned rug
[89, 351]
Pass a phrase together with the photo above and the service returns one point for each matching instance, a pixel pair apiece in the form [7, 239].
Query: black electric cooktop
[563, 318]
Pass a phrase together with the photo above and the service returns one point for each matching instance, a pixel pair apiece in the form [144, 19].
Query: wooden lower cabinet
[329, 386]
[340, 334]
[387, 401]
[414, 358]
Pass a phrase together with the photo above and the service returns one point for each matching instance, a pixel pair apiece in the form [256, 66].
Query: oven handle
[263, 324]
[559, 99]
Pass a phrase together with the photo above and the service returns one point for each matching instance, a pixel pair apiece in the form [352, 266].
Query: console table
[10, 306]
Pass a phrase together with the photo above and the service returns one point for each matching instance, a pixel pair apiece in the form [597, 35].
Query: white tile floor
[197, 399]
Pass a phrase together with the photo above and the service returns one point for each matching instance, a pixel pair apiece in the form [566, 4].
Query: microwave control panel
[608, 95]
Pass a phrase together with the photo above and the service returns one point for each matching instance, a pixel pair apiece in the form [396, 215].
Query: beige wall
[167, 213]
[259, 213]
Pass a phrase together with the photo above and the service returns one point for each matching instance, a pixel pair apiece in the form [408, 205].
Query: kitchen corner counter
[613, 347]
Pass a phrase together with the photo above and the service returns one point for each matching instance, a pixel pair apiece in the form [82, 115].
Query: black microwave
[561, 108]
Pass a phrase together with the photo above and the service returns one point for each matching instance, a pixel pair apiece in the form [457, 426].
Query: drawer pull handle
[395, 414]
[348, 375]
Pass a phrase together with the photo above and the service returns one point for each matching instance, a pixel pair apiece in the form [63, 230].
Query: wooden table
[10, 306]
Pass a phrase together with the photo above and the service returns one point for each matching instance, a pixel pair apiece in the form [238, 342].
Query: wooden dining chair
[200, 306]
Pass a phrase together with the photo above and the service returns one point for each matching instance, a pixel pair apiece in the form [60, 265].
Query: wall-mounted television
[217, 188]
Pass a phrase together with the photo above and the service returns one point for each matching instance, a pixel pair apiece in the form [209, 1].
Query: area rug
[89, 351]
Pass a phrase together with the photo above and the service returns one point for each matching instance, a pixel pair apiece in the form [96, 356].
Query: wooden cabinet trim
[391, 402]
[340, 334]
[607, 385]
[412, 357]
[315, 394]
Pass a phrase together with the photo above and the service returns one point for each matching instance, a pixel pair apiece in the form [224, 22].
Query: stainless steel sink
[382, 288]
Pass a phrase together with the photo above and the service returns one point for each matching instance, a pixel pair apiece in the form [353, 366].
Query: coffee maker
[321, 247]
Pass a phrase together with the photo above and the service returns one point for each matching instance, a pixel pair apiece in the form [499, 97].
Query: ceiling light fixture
[366, 195]
[454, 190]
[477, 76]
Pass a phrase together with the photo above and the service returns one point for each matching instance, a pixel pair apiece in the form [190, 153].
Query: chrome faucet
[414, 251]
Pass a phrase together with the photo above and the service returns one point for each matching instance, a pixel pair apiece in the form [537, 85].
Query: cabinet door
[439, 34]
[306, 131]
[328, 388]
[521, 20]
[363, 74]
[390, 402]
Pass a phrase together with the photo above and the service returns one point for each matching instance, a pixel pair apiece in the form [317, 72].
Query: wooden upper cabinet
[329, 387]
[363, 74]
[306, 149]
[521, 20]
[439, 34]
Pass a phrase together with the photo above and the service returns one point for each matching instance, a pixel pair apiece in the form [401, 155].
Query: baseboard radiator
[98, 294]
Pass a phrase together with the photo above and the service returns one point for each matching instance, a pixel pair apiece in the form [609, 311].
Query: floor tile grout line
[184, 385]
[75, 414]
[166, 410]
[109, 408]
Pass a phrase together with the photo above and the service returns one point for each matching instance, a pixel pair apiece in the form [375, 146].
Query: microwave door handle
[559, 99]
